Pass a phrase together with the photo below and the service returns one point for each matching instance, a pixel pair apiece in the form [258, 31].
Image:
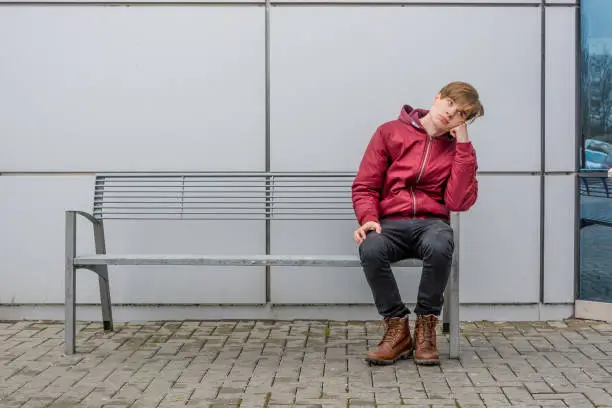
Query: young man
[414, 171]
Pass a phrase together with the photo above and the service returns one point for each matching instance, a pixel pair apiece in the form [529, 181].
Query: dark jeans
[428, 240]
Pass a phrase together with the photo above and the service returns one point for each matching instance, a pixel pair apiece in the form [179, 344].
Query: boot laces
[392, 330]
[427, 333]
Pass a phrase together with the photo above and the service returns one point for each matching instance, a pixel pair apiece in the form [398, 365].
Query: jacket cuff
[369, 217]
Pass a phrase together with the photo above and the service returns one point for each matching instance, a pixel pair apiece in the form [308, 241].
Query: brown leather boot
[426, 351]
[396, 343]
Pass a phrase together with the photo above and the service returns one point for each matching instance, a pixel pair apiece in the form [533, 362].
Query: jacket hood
[412, 116]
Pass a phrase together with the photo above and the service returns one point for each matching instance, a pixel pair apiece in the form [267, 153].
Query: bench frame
[271, 206]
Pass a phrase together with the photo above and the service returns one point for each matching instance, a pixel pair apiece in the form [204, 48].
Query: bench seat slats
[228, 260]
[217, 196]
[596, 186]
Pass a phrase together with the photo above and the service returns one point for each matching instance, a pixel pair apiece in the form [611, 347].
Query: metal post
[103, 280]
[542, 193]
[70, 281]
[269, 180]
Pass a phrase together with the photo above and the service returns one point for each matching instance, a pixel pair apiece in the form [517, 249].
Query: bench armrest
[98, 230]
[86, 215]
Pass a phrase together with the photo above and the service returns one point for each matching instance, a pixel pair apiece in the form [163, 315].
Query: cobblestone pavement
[301, 363]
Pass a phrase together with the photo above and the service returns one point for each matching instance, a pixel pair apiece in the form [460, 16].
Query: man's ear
[436, 98]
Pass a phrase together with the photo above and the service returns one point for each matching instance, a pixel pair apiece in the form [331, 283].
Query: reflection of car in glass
[598, 154]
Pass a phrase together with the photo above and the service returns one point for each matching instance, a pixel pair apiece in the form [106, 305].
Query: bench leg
[70, 281]
[446, 311]
[103, 280]
[105, 300]
[454, 323]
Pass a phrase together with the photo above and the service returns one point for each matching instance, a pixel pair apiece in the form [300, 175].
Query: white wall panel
[132, 88]
[560, 89]
[333, 85]
[500, 242]
[559, 239]
[32, 250]
[182, 88]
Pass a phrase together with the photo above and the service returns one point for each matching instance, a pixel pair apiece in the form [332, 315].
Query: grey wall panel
[559, 240]
[560, 88]
[32, 250]
[331, 87]
[561, 1]
[132, 88]
[32, 234]
[293, 285]
[325, 285]
[500, 244]
[143, 284]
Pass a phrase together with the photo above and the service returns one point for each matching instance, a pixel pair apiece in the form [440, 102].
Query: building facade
[288, 85]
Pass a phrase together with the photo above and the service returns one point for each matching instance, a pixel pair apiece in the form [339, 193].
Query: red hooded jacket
[406, 174]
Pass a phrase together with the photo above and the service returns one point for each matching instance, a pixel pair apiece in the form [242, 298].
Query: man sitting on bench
[414, 171]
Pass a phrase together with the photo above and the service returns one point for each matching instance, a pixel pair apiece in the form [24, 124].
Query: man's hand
[360, 233]
[460, 133]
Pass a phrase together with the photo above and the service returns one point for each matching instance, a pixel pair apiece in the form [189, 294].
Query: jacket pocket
[397, 202]
[430, 206]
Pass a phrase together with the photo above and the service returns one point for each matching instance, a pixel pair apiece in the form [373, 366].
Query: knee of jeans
[441, 248]
[372, 250]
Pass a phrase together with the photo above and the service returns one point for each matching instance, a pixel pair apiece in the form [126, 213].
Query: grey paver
[251, 364]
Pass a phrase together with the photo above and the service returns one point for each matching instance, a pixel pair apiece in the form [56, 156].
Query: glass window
[595, 280]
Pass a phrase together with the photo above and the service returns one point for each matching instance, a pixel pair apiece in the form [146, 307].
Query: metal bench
[221, 196]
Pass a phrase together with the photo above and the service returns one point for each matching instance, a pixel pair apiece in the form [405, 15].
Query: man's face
[446, 114]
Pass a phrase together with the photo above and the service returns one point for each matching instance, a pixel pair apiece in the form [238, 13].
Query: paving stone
[268, 364]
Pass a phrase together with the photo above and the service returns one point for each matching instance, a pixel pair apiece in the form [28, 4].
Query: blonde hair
[466, 96]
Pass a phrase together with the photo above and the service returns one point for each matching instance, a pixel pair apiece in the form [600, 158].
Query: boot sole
[405, 355]
[427, 362]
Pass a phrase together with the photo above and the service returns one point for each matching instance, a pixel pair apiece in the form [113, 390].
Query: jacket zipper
[424, 160]
[420, 175]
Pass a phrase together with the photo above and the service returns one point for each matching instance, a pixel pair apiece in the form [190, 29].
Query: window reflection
[596, 152]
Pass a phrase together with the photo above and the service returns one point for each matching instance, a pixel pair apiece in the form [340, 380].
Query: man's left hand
[460, 133]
